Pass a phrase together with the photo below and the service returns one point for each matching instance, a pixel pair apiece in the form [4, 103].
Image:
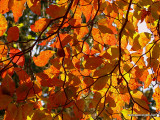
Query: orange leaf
[13, 34]
[43, 58]
[3, 24]
[133, 84]
[142, 74]
[87, 11]
[17, 7]
[76, 62]
[86, 49]
[97, 36]
[77, 17]
[52, 70]
[40, 25]
[3, 49]
[4, 6]
[17, 57]
[81, 31]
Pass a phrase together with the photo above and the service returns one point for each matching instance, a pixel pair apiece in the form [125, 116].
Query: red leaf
[56, 11]
[35, 6]
[8, 85]
[13, 34]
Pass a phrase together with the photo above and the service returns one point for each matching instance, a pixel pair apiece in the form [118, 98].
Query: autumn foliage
[71, 60]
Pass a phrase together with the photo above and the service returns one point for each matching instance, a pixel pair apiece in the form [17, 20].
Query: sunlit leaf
[43, 58]
[40, 25]
[17, 8]
[3, 24]
[4, 6]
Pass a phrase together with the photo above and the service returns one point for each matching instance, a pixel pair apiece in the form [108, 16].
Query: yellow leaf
[3, 24]
[141, 40]
[148, 81]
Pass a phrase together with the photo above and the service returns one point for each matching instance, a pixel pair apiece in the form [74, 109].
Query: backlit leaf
[3, 49]
[17, 7]
[43, 58]
[39, 25]
[3, 24]
[4, 6]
